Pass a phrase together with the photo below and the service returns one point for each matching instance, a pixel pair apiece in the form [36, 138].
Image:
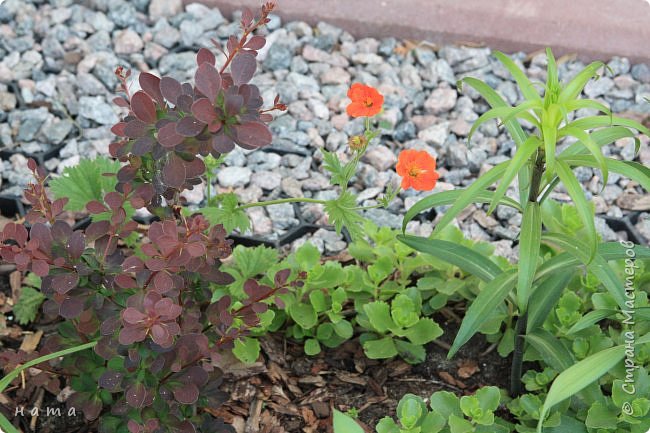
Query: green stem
[280, 201]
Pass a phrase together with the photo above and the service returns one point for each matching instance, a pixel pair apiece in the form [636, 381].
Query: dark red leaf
[151, 85]
[114, 199]
[143, 145]
[71, 307]
[162, 282]
[125, 282]
[168, 137]
[65, 282]
[135, 129]
[243, 68]
[121, 102]
[189, 127]
[76, 244]
[111, 380]
[253, 134]
[203, 110]
[143, 107]
[174, 172]
[255, 43]
[205, 56]
[188, 393]
[170, 89]
[208, 81]
[222, 143]
[196, 249]
[247, 17]
[40, 268]
[118, 129]
[136, 395]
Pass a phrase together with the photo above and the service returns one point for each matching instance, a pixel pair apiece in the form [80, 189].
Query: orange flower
[366, 101]
[417, 169]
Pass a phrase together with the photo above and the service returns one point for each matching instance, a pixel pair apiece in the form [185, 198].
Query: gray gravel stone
[96, 108]
[234, 176]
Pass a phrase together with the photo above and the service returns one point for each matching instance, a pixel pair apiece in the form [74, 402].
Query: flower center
[415, 171]
[368, 102]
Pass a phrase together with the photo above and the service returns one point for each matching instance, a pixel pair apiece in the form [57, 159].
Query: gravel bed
[56, 80]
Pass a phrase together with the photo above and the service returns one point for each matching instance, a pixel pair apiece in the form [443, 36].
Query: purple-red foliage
[145, 297]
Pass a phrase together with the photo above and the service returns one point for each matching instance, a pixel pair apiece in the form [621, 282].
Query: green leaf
[490, 297]
[585, 211]
[575, 86]
[424, 331]
[521, 158]
[591, 318]
[514, 128]
[410, 410]
[489, 397]
[525, 85]
[307, 256]
[630, 169]
[504, 113]
[445, 403]
[549, 133]
[380, 349]
[344, 424]
[588, 142]
[459, 425]
[341, 213]
[445, 198]
[247, 349]
[596, 264]
[341, 174]
[312, 347]
[227, 214]
[579, 376]
[385, 425]
[469, 194]
[602, 416]
[544, 297]
[28, 305]
[601, 121]
[531, 233]
[304, 315]
[378, 313]
[85, 182]
[466, 259]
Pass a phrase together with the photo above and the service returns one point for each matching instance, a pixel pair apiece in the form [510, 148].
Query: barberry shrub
[145, 305]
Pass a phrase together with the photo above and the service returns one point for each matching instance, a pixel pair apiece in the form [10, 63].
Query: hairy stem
[282, 200]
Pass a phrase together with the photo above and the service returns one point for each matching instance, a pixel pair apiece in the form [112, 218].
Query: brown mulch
[286, 391]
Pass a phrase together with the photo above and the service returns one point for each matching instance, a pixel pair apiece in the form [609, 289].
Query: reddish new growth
[170, 124]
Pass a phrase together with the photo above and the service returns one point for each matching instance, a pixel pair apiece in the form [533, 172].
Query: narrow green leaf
[445, 198]
[585, 211]
[579, 376]
[6, 426]
[588, 142]
[525, 85]
[469, 194]
[591, 318]
[591, 122]
[458, 255]
[560, 358]
[531, 233]
[552, 78]
[493, 294]
[577, 104]
[514, 128]
[595, 263]
[575, 86]
[504, 113]
[521, 157]
[5, 381]
[549, 134]
[545, 296]
[632, 170]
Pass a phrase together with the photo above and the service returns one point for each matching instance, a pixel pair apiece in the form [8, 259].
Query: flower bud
[357, 142]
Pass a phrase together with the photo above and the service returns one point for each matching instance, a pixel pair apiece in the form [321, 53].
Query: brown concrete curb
[593, 29]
